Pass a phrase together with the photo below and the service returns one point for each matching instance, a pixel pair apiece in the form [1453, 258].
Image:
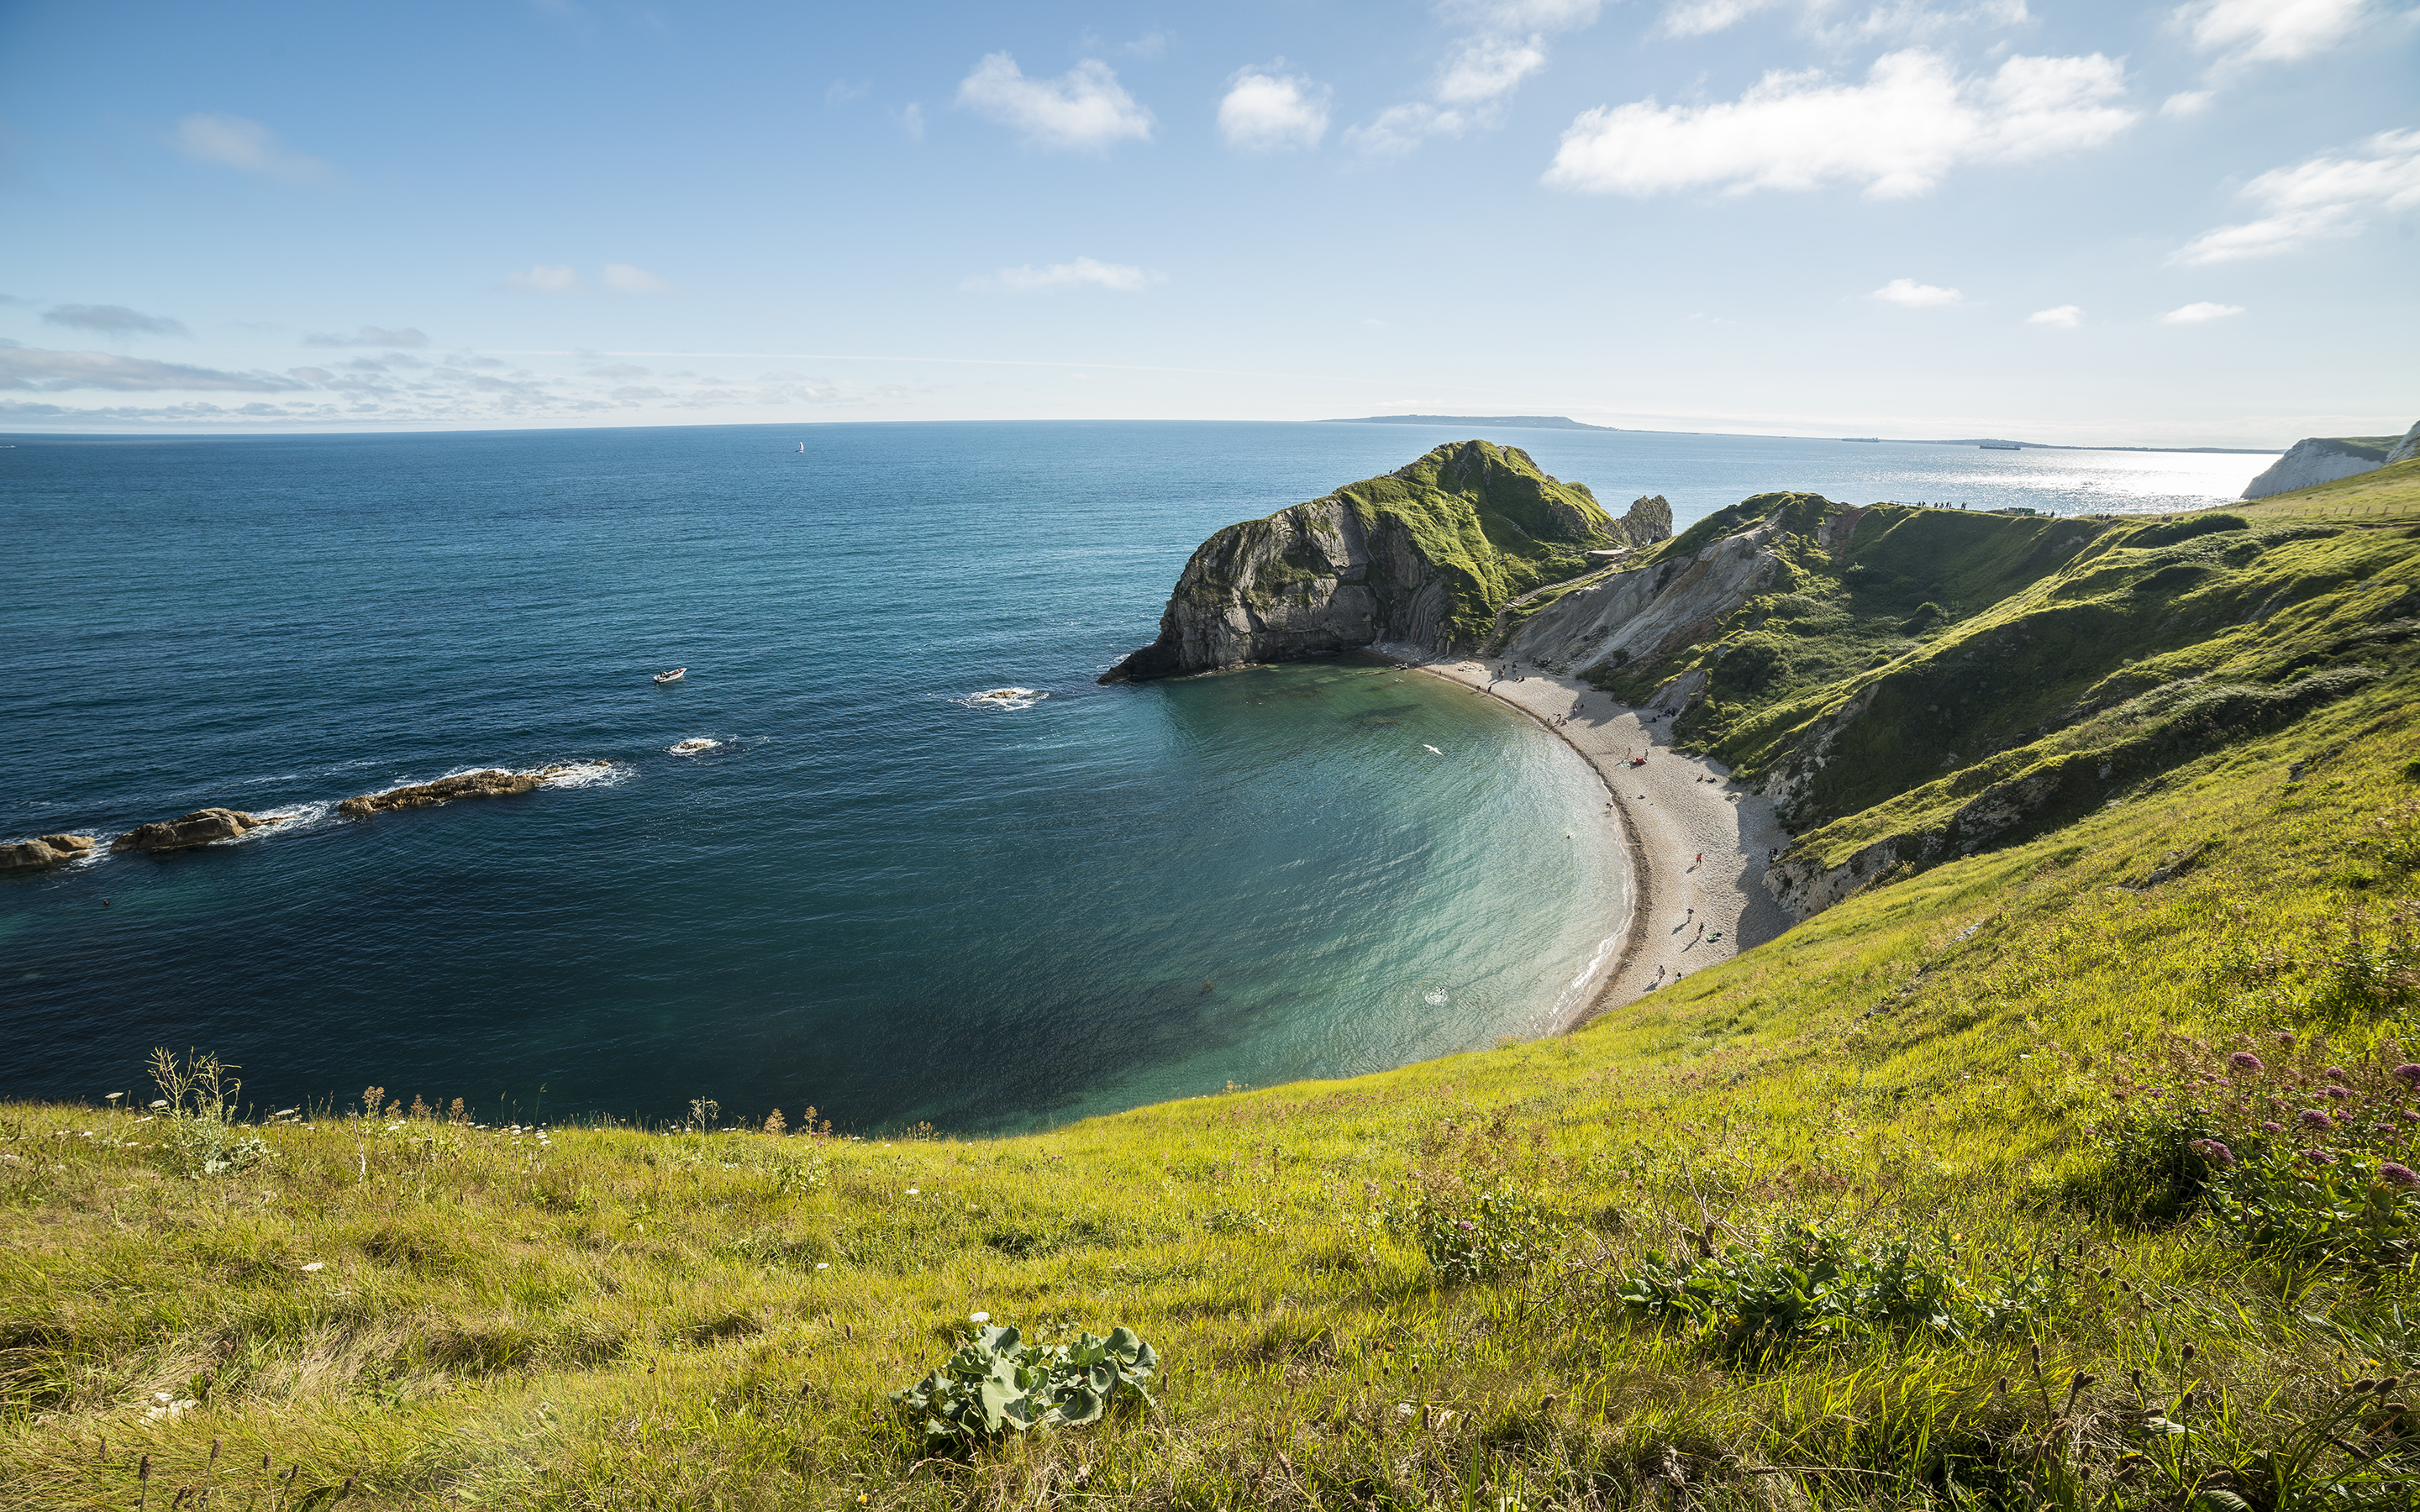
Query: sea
[888, 850]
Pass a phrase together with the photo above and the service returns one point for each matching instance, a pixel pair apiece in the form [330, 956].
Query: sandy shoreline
[1697, 842]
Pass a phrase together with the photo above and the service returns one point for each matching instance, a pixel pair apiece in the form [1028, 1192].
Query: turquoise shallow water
[876, 894]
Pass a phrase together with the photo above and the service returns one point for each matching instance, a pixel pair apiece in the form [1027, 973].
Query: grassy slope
[627, 1319]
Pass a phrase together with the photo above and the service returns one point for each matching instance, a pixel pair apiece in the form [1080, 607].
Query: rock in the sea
[48, 851]
[2323, 459]
[495, 782]
[1421, 557]
[203, 826]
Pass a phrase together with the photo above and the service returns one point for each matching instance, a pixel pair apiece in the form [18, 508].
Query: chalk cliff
[2323, 459]
[1423, 557]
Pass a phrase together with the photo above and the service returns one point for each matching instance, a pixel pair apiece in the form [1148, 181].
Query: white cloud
[2186, 103]
[1915, 295]
[371, 336]
[1082, 273]
[2195, 314]
[2273, 31]
[1486, 67]
[54, 371]
[1897, 20]
[113, 320]
[234, 142]
[2068, 316]
[629, 280]
[2322, 199]
[1909, 123]
[1400, 129]
[1506, 46]
[841, 91]
[1265, 110]
[545, 278]
[1082, 110]
[912, 120]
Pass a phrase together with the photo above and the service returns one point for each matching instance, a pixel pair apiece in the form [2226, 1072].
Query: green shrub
[197, 1099]
[1805, 1286]
[996, 1383]
[1479, 1236]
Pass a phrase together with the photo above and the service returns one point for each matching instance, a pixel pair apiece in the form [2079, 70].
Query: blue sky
[2161, 224]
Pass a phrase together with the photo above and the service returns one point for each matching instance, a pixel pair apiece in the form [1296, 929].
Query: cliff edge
[1423, 556]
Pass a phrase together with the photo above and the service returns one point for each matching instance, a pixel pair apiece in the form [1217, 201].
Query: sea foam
[1004, 698]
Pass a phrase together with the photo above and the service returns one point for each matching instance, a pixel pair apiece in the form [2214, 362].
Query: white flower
[912, 1191]
[317, 1265]
[978, 1317]
[823, 1265]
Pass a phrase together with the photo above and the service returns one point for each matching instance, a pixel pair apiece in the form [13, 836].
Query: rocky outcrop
[203, 826]
[494, 782]
[50, 849]
[2317, 459]
[1422, 558]
[2408, 448]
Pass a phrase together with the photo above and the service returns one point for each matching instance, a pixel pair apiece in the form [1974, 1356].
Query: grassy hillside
[1952, 1196]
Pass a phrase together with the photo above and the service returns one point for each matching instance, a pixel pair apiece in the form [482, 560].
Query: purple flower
[2337, 1073]
[2408, 1115]
[2408, 1073]
[2271, 1126]
[2314, 1119]
[2340, 1094]
[2214, 1153]
[2397, 1176]
[2318, 1157]
[2283, 1037]
[1464, 1225]
[2244, 1060]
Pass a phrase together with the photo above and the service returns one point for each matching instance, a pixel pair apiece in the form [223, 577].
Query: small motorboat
[672, 676]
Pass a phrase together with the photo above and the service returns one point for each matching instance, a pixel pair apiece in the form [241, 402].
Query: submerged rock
[1421, 557]
[203, 826]
[50, 849]
[494, 782]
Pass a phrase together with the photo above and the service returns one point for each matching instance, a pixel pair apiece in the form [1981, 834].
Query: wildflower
[2318, 1157]
[1464, 1225]
[2244, 1060]
[2214, 1153]
[986, 1318]
[2271, 1126]
[2408, 1115]
[2338, 1094]
[317, 1265]
[823, 1265]
[2408, 1073]
[2397, 1176]
[912, 1191]
[2337, 1073]
[2314, 1119]
[2285, 1036]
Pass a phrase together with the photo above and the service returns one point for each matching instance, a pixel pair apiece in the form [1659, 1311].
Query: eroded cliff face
[1651, 611]
[1421, 557]
[2317, 459]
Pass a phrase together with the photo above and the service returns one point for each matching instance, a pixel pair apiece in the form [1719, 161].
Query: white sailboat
[672, 676]
[802, 448]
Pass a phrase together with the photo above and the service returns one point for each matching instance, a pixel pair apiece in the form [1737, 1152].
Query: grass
[1953, 1097]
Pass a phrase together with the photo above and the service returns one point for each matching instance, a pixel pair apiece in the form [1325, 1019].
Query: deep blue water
[874, 895]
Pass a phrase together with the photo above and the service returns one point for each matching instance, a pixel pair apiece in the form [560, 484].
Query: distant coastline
[1566, 423]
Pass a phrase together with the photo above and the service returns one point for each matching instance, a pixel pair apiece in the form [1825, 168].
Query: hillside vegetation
[2076, 1171]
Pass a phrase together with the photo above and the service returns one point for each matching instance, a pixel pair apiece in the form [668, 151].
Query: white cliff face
[2315, 460]
[2408, 448]
[1648, 611]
